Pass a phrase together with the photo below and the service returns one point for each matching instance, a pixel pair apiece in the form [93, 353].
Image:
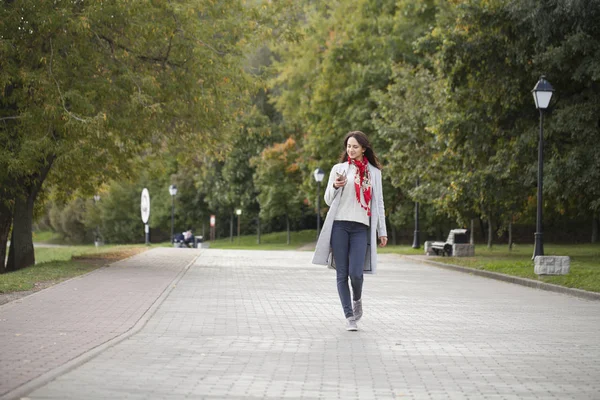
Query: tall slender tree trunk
[510, 240]
[231, 228]
[287, 221]
[6, 217]
[257, 229]
[471, 234]
[21, 253]
[595, 228]
[482, 227]
[489, 233]
[394, 238]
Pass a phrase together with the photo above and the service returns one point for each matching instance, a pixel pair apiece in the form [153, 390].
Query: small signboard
[212, 220]
[145, 206]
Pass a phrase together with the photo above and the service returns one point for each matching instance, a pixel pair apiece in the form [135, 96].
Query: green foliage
[87, 86]
[441, 88]
[70, 221]
[277, 178]
[120, 214]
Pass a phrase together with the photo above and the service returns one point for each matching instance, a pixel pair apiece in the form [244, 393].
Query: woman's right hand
[339, 182]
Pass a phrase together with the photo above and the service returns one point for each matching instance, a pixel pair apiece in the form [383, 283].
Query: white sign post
[145, 209]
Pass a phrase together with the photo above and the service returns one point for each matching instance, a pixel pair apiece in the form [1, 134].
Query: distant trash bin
[198, 241]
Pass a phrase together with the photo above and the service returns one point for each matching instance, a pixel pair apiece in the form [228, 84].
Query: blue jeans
[349, 244]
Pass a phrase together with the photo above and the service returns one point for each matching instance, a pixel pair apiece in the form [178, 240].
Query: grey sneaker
[357, 308]
[351, 324]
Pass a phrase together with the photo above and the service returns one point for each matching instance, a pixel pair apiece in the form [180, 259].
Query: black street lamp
[238, 212]
[97, 238]
[319, 174]
[542, 93]
[173, 193]
[416, 242]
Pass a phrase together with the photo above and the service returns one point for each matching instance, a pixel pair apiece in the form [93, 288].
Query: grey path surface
[242, 324]
[50, 328]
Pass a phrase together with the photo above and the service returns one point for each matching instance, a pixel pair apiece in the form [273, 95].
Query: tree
[86, 86]
[565, 48]
[490, 125]
[324, 83]
[278, 179]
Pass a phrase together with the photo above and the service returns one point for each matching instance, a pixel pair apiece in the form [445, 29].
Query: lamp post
[238, 212]
[173, 193]
[97, 238]
[416, 242]
[319, 175]
[542, 93]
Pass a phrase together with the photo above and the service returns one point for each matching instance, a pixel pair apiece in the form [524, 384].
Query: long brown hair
[363, 140]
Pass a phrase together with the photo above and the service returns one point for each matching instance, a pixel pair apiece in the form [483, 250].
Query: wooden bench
[456, 236]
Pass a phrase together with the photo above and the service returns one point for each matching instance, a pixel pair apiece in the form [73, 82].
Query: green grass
[47, 254]
[269, 241]
[399, 249]
[55, 271]
[46, 237]
[585, 263]
[55, 264]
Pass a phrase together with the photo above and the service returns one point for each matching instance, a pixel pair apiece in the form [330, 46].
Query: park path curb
[28, 387]
[584, 294]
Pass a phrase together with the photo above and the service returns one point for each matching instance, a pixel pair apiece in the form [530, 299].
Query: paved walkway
[243, 324]
[42, 333]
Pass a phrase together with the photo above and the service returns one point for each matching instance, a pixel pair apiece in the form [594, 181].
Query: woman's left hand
[383, 241]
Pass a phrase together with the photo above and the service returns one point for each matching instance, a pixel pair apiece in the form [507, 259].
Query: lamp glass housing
[319, 174]
[542, 93]
[542, 99]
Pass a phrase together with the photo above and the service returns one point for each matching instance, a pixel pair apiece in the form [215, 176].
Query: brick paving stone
[253, 324]
[45, 330]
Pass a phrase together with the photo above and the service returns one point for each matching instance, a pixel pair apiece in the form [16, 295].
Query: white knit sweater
[349, 209]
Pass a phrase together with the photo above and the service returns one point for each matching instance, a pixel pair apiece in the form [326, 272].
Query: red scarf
[362, 180]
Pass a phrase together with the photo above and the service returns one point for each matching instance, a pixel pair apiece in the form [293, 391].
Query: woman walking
[355, 219]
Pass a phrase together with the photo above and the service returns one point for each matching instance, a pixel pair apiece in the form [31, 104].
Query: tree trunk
[287, 221]
[482, 226]
[471, 234]
[489, 235]
[21, 253]
[6, 217]
[510, 240]
[595, 228]
[394, 238]
[257, 230]
[231, 228]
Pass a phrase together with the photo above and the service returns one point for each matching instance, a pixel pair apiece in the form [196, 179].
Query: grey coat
[332, 199]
